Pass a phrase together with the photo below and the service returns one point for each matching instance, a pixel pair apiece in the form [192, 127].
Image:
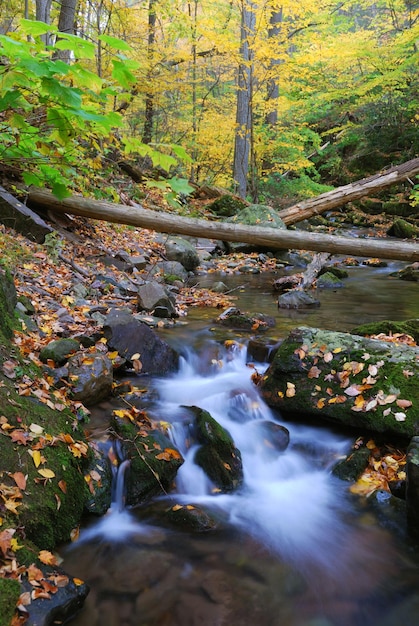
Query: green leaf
[65, 95]
[86, 78]
[180, 185]
[122, 74]
[31, 179]
[82, 49]
[60, 191]
[181, 153]
[36, 28]
[113, 42]
[162, 160]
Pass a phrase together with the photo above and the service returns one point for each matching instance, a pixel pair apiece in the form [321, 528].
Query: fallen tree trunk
[341, 195]
[270, 237]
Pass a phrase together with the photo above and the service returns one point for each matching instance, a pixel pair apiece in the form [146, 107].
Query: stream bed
[293, 547]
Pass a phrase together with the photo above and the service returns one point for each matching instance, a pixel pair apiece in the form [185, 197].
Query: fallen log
[270, 237]
[348, 193]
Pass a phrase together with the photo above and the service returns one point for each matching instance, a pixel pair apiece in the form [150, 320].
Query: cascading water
[291, 550]
[289, 500]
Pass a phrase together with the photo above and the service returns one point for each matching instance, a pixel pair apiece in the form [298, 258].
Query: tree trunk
[270, 237]
[244, 100]
[348, 193]
[66, 24]
[149, 98]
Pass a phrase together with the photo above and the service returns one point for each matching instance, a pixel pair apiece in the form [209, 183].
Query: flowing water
[293, 548]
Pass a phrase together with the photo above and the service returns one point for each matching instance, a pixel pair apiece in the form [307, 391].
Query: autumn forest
[275, 101]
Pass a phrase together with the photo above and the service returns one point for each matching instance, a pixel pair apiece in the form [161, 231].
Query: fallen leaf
[46, 473]
[403, 404]
[314, 372]
[20, 480]
[47, 557]
[290, 392]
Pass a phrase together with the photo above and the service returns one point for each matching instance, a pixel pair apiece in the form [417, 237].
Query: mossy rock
[9, 594]
[59, 350]
[258, 215]
[154, 461]
[348, 379]
[403, 230]
[389, 327]
[226, 206]
[218, 456]
[353, 465]
[328, 280]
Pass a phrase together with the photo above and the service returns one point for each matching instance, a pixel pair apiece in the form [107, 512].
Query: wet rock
[329, 281]
[390, 511]
[152, 295]
[129, 336]
[285, 283]
[59, 350]
[348, 379]
[183, 517]
[269, 438]
[235, 319]
[154, 460]
[261, 349]
[412, 486]
[62, 604]
[353, 465]
[339, 272]
[297, 299]
[411, 273]
[218, 456]
[219, 287]
[181, 250]
[98, 476]
[91, 377]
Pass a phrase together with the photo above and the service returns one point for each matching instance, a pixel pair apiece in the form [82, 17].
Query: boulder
[226, 206]
[258, 215]
[129, 336]
[403, 230]
[328, 280]
[269, 438]
[297, 299]
[91, 376]
[349, 379]
[236, 319]
[99, 477]
[154, 461]
[389, 327]
[152, 295]
[59, 350]
[410, 273]
[181, 250]
[16, 215]
[218, 456]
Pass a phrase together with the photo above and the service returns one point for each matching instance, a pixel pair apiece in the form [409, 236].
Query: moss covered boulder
[154, 461]
[349, 379]
[389, 327]
[258, 215]
[218, 456]
[226, 206]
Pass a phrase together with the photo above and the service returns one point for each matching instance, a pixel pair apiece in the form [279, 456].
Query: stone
[348, 379]
[328, 280]
[91, 376]
[154, 461]
[151, 295]
[410, 273]
[218, 456]
[269, 439]
[236, 319]
[100, 484]
[401, 229]
[297, 299]
[351, 467]
[170, 271]
[59, 350]
[181, 250]
[389, 327]
[258, 215]
[226, 206]
[129, 336]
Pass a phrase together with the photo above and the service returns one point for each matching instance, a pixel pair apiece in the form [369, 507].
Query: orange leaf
[20, 480]
[47, 557]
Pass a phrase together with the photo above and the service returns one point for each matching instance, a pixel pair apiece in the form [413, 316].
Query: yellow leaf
[78, 582]
[36, 456]
[177, 507]
[46, 473]
[47, 557]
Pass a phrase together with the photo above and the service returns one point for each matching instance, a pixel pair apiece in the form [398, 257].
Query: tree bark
[270, 237]
[349, 193]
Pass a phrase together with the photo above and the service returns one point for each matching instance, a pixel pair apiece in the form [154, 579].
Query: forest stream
[293, 547]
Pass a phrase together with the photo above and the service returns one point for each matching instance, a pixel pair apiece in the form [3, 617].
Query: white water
[292, 504]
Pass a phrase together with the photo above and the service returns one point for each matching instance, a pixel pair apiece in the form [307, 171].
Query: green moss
[302, 381]
[388, 327]
[9, 595]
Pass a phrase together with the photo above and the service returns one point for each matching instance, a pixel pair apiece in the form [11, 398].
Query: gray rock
[91, 376]
[152, 295]
[16, 215]
[329, 281]
[59, 350]
[181, 250]
[129, 336]
[297, 299]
